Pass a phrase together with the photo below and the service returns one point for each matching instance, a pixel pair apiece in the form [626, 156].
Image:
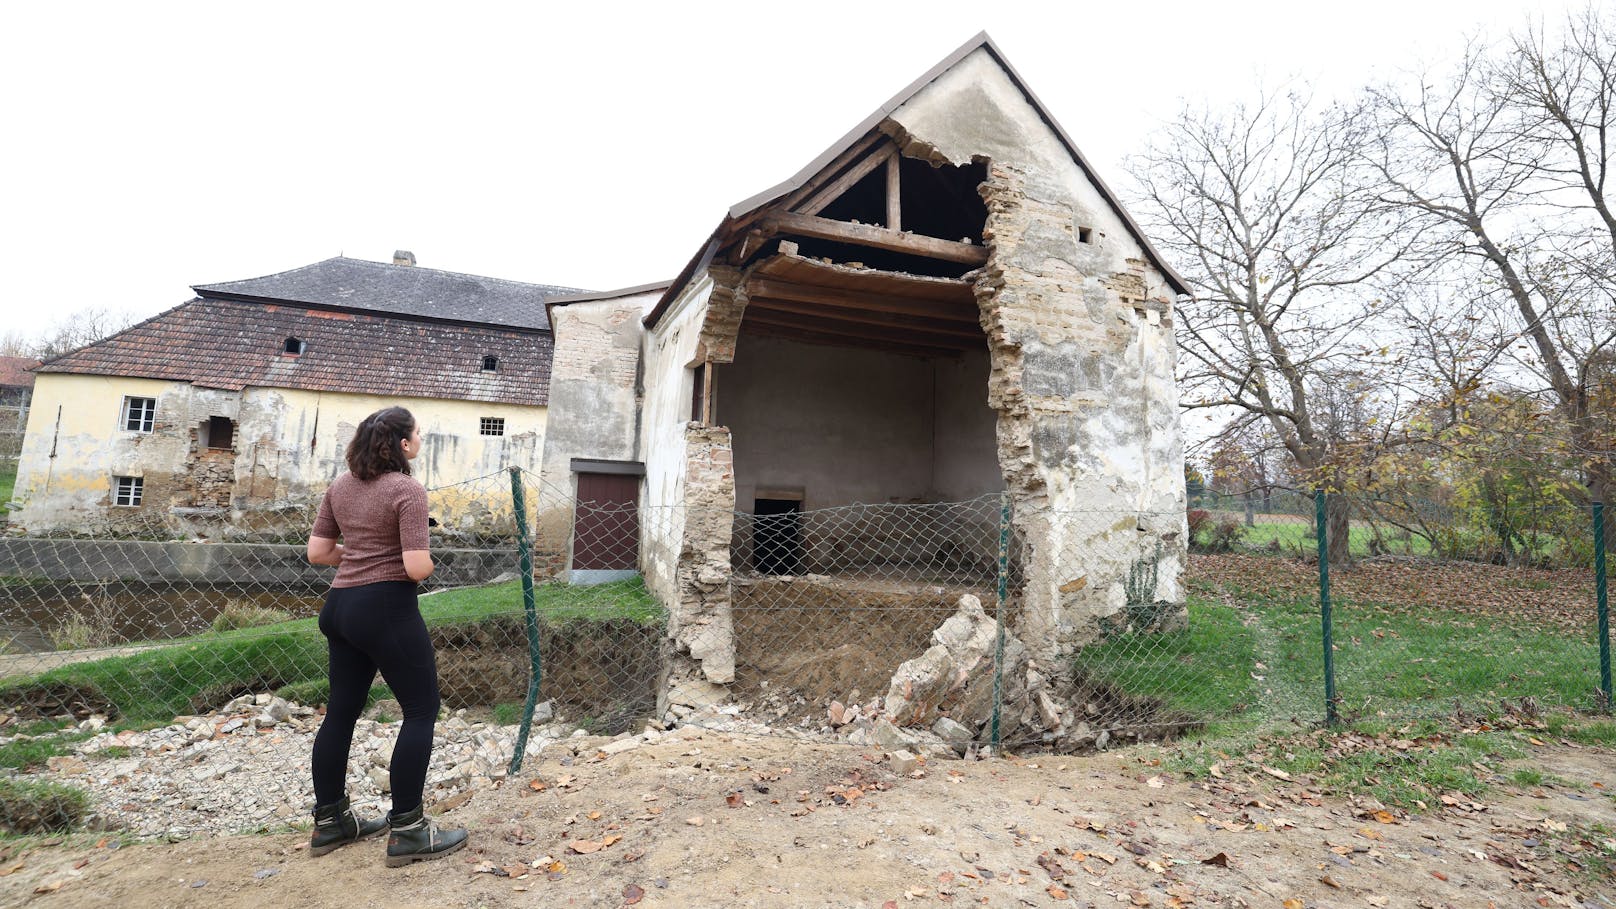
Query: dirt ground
[700, 818]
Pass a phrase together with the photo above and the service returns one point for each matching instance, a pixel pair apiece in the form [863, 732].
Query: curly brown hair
[377, 445]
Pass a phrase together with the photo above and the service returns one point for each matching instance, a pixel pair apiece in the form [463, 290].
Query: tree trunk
[1251, 511]
[1338, 528]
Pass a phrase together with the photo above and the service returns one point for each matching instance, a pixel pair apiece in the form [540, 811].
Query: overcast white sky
[152, 146]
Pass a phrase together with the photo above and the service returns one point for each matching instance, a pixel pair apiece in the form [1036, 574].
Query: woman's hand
[324, 551]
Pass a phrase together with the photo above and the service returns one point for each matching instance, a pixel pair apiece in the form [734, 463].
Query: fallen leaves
[632, 894]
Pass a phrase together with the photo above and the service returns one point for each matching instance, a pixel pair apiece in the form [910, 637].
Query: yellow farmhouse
[233, 410]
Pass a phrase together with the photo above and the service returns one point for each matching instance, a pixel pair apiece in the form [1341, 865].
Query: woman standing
[371, 622]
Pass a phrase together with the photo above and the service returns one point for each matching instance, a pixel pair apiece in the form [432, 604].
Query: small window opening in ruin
[698, 394]
[492, 426]
[490, 363]
[1085, 235]
[219, 433]
[295, 347]
[127, 491]
[139, 414]
[777, 536]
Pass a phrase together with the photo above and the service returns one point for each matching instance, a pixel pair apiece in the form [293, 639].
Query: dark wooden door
[606, 526]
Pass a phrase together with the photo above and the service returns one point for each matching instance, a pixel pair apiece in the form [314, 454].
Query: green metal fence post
[1603, 602]
[998, 614]
[1319, 497]
[524, 560]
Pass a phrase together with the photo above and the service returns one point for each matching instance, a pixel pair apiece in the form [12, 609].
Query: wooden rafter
[964, 312]
[876, 237]
[894, 195]
[872, 333]
[815, 337]
[865, 317]
[833, 190]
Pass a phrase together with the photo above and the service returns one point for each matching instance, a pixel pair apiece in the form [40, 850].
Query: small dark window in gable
[295, 346]
[490, 363]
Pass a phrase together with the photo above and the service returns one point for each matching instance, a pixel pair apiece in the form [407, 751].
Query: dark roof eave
[372, 313]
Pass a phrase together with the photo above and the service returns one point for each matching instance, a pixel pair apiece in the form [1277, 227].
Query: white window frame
[491, 423]
[149, 414]
[127, 492]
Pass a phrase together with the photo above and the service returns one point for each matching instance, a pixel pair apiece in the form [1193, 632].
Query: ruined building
[949, 303]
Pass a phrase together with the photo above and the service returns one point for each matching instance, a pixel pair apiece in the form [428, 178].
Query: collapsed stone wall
[1076, 350]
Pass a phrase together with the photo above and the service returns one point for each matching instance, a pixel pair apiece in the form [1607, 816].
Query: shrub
[1200, 522]
[1226, 535]
[238, 614]
[37, 807]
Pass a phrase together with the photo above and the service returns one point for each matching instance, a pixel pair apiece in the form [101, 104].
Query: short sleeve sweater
[378, 520]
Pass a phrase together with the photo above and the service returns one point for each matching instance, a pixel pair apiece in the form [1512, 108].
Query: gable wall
[1081, 339]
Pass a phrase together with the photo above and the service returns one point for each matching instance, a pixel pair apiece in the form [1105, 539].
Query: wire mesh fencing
[181, 671]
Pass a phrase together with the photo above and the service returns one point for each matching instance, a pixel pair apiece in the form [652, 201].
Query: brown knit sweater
[378, 521]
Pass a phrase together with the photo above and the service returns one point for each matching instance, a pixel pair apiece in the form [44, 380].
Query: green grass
[156, 683]
[28, 806]
[1298, 536]
[1204, 671]
[8, 482]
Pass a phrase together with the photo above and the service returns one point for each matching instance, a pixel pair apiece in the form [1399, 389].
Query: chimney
[403, 257]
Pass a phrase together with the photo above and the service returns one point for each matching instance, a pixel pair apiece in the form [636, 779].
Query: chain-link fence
[941, 627]
[1422, 607]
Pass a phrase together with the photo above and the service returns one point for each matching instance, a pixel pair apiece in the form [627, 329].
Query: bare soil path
[714, 819]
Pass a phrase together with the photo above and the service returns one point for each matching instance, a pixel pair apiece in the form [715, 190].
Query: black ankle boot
[413, 838]
[337, 825]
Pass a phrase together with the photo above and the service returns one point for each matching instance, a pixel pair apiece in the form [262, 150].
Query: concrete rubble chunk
[903, 762]
[956, 736]
[620, 746]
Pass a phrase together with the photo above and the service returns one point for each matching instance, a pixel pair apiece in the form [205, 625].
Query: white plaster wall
[1093, 370]
[670, 350]
[594, 403]
[974, 109]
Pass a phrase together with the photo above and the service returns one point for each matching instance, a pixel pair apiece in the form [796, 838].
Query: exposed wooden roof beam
[814, 337]
[863, 332]
[843, 298]
[894, 194]
[876, 237]
[834, 189]
[853, 314]
[852, 153]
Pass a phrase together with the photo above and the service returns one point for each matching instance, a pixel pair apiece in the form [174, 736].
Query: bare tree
[83, 327]
[1264, 209]
[1508, 158]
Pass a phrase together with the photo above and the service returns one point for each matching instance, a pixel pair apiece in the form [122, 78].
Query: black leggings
[371, 627]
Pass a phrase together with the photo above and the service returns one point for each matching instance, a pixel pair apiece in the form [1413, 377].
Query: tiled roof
[407, 290]
[229, 344]
[15, 370]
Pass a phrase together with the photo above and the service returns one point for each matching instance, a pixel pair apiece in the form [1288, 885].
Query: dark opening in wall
[490, 363]
[295, 347]
[698, 394]
[777, 536]
[219, 433]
